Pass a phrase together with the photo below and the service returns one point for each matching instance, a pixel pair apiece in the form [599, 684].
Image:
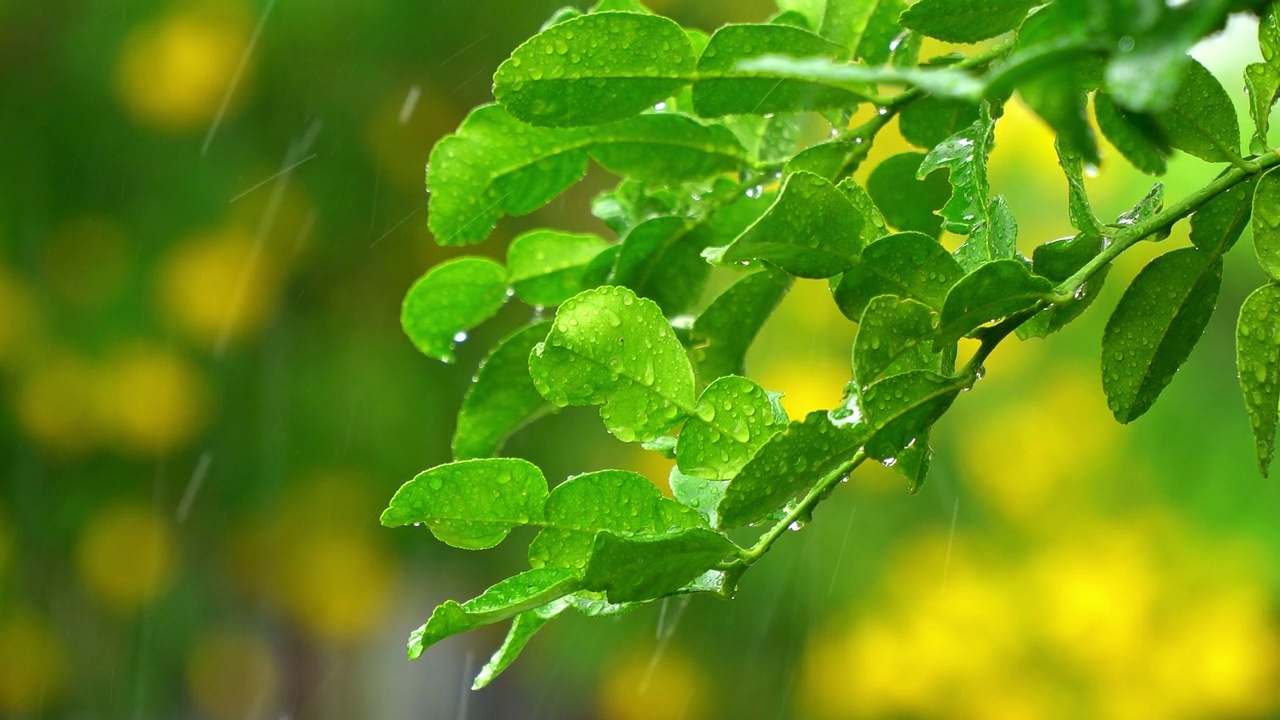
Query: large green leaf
[502, 398]
[812, 230]
[909, 265]
[628, 569]
[1258, 361]
[993, 291]
[1152, 331]
[522, 630]
[788, 465]
[472, 504]
[509, 598]
[909, 203]
[496, 166]
[582, 506]
[866, 27]
[450, 299]
[547, 267]
[966, 21]
[733, 419]
[899, 410]
[723, 333]
[1218, 224]
[1201, 120]
[894, 337]
[661, 259]
[1266, 223]
[725, 89]
[594, 69]
[611, 348]
[1137, 136]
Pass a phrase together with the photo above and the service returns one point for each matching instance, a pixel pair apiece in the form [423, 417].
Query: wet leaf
[521, 632]
[787, 466]
[700, 494]
[994, 291]
[582, 506]
[725, 88]
[1217, 225]
[509, 598]
[1266, 223]
[628, 569]
[451, 298]
[734, 417]
[866, 27]
[909, 203]
[496, 166]
[965, 156]
[725, 330]
[595, 69]
[909, 265]
[914, 462]
[941, 81]
[1079, 209]
[471, 504]
[547, 267]
[874, 226]
[811, 231]
[661, 259]
[899, 410]
[893, 337]
[966, 21]
[1258, 363]
[1154, 328]
[502, 399]
[1137, 136]
[1058, 260]
[1262, 82]
[608, 347]
[1201, 120]
[1151, 63]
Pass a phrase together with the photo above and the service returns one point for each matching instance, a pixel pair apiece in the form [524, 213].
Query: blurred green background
[209, 213]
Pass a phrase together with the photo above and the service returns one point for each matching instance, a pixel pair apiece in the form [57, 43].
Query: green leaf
[661, 259]
[611, 348]
[964, 155]
[733, 419]
[1262, 83]
[1269, 35]
[628, 569]
[725, 330]
[1058, 260]
[942, 82]
[502, 399]
[1155, 326]
[928, 121]
[867, 27]
[993, 291]
[1137, 136]
[1144, 209]
[1146, 72]
[724, 88]
[811, 231]
[698, 493]
[452, 298]
[830, 159]
[547, 266]
[788, 465]
[899, 410]
[522, 630]
[1201, 120]
[496, 166]
[1217, 225]
[909, 265]
[471, 504]
[874, 226]
[1258, 362]
[595, 69]
[914, 462]
[909, 203]
[995, 240]
[966, 21]
[1078, 207]
[893, 338]
[509, 598]
[1057, 95]
[582, 506]
[1266, 223]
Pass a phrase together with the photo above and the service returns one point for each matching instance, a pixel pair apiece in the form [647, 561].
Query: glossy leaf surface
[628, 569]
[1258, 363]
[548, 267]
[1266, 223]
[993, 291]
[1201, 120]
[966, 21]
[734, 417]
[452, 298]
[908, 265]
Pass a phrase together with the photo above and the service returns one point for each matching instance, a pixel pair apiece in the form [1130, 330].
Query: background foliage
[207, 398]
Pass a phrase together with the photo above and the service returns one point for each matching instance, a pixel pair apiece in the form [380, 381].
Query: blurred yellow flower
[649, 684]
[54, 404]
[31, 665]
[174, 72]
[217, 284]
[126, 556]
[150, 400]
[232, 675]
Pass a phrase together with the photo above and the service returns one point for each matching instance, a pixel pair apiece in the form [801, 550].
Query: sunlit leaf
[733, 418]
[700, 494]
[547, 267]
[899, 410]
[628, 569]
